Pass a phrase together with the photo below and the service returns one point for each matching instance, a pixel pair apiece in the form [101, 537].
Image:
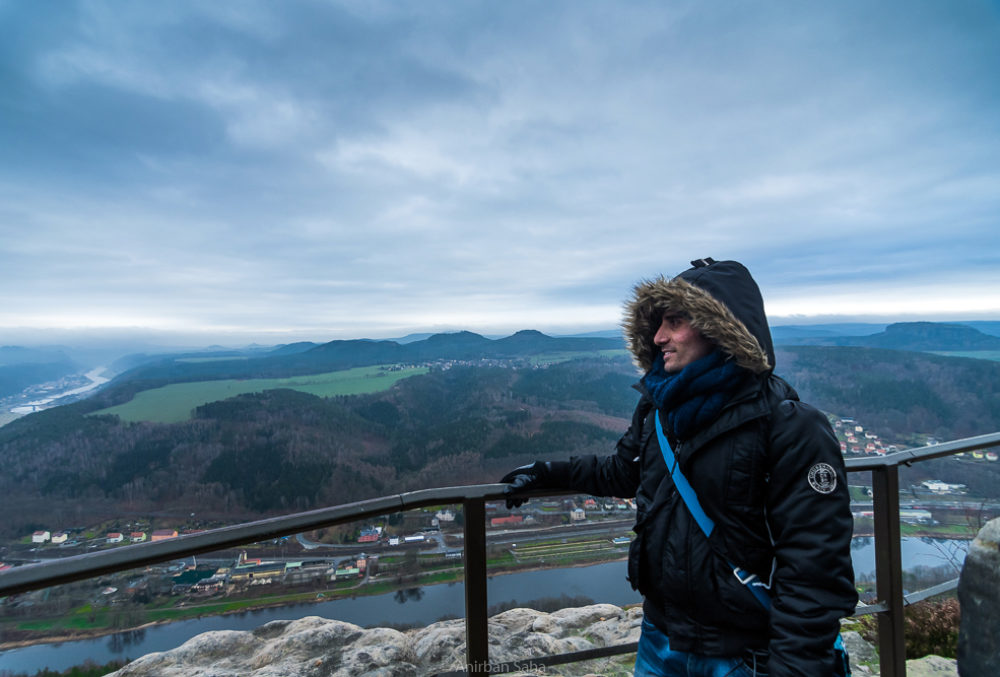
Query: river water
[420, 606]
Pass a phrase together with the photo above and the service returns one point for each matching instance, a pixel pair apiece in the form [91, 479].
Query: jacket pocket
[737, 603]
[634, 558]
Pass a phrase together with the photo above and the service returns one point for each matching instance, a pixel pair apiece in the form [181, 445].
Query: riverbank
[541, 555]
[236, 606]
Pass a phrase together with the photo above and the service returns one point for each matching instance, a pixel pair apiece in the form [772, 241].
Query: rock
[932, 666]
[861, 652]
[318, 647]
[979, 597]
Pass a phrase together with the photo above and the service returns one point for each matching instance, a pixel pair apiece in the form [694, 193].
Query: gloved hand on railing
[537, 475]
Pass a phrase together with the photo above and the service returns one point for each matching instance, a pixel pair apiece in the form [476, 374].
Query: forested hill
[282, 450]
[919, 336]
[306, 358]
[23, 367]
[897, 393]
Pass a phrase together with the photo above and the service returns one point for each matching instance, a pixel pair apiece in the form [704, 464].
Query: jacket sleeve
[809, 514]
[613, 475]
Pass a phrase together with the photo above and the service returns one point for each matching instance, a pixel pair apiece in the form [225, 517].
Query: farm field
[564, 356]
[993, 355]
[175, 402]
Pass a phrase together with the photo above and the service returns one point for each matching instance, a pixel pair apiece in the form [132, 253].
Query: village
[390, 553]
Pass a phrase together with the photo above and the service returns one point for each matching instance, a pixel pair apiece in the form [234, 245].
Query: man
[765, 467]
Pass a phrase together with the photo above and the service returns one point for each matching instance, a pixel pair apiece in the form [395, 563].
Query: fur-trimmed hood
[721, 300]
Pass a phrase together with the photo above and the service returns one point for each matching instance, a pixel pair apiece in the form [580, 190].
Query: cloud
[346, 168]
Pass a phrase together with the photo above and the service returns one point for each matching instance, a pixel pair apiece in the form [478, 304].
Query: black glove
[534, 476]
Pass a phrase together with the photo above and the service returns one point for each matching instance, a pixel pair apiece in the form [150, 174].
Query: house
[369, 536]
[303, 572]
[258, 574]
[939, 487]
[445, 516]
[347, 572]
[163, 534]
[510, 519]
[40, 537]
[59, 537]
[208, 586]
[115, 537]
[137, 536]
[577, 515]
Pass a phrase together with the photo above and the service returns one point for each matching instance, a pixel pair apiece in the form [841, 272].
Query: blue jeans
[655, 658]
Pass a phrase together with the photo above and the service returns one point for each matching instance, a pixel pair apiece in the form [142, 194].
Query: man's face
[680, 343]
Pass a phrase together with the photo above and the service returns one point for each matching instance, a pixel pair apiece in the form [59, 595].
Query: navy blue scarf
[695, 395]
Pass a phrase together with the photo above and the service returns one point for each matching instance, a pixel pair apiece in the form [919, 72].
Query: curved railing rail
[888, 558]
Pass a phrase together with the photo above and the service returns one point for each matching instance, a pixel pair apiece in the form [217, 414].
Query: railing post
[477, 644]
[889, 571]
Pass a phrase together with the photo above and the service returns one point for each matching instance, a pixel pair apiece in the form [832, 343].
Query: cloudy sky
[317, 169]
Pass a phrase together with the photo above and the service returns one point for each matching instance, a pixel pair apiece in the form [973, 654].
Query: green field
[175, 402]
[565, 356]
[993, 355]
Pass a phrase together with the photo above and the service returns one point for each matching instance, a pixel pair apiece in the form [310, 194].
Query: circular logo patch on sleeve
[823, 478]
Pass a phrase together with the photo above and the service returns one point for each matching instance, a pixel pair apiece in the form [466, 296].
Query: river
[420, 606]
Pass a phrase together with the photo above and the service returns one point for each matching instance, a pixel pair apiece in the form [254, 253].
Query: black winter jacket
[750, 470]
[768, 470]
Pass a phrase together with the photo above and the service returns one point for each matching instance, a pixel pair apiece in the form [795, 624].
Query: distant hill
[22, 367]
[897, 392]
[11, 355]
[916, 336]
[991, 328]
[293, 348]
[14, 378]
[782, 333]
[301, 359]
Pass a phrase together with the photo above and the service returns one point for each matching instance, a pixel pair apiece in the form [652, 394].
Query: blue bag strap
[684, 488]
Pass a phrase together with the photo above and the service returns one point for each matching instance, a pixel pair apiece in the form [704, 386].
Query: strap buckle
[747, 578]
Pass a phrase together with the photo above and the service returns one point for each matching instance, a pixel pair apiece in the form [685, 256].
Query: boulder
[979, 597]
[931, 666]
[319, 647]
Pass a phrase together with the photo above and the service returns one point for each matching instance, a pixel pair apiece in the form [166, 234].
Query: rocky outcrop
[979, 597]
[318, 647]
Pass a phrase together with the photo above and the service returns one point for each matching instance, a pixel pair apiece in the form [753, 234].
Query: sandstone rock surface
[318, 647]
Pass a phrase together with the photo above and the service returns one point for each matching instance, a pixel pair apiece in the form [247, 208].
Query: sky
[313, 170]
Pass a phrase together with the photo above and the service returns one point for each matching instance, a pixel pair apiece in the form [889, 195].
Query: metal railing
[888, 557]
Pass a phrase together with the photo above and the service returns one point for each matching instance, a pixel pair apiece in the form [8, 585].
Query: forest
[283, 450]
